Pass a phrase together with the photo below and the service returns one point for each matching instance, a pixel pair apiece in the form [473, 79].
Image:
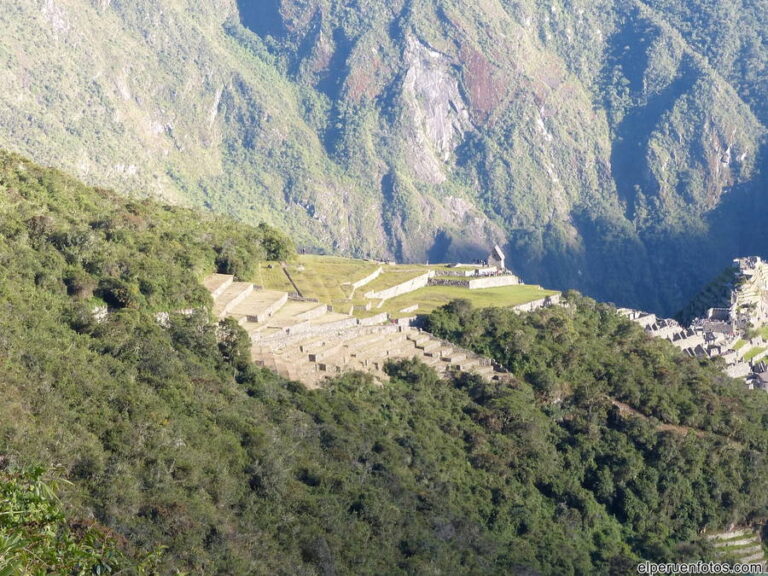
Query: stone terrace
[307, 341]
[742, 546]
[737, 334]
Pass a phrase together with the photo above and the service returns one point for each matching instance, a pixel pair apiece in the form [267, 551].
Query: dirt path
[626, 409]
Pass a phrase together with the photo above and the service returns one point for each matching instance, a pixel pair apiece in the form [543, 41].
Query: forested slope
[171, 438]
[616, 146]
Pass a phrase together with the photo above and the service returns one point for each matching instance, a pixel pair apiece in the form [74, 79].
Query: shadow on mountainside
[629, 156]
[262, 17]
[660, 271]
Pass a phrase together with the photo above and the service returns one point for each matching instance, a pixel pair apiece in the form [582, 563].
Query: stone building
[497, 258]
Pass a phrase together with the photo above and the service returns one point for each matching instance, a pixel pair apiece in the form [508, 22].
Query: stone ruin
[305, 340]
[308, 341]
[724, 332]
[497, 258]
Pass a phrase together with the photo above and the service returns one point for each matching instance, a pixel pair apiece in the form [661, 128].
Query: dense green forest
[616, 147]
[175, 454]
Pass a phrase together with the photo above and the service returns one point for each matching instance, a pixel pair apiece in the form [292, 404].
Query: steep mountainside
[612, 146]
[601, 447]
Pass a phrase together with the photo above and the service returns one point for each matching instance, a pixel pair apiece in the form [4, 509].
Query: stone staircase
[306, 341]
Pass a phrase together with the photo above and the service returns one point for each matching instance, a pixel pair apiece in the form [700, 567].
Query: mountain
[178, 455]
[616, 147]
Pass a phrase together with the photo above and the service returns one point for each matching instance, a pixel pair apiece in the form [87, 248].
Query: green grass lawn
[739, 344]
[270, 276]
[764, 332]
[392, 276]
[399, 273]
[752, 353]
[433, 297]
[328, 279]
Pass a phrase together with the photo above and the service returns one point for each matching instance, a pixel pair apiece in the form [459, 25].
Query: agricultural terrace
[330, 279]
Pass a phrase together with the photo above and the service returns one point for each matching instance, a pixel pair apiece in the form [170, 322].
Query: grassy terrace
[752, 353]
[329, 278]
[326, 278]
[394, 275]
[433, 297]
[270, 275]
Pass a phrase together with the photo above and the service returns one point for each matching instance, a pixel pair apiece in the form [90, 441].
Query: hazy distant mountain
[612, 146]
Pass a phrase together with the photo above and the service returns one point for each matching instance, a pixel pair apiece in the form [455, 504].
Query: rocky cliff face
[435, 112]
[608, 145]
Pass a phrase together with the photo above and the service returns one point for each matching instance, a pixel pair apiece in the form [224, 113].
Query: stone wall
[740, 370]
[467, 272]
[493, 282]
[536, 304]
[450, 281]
[400, 289]
[476, 283]
[368, 279]
[374, 320]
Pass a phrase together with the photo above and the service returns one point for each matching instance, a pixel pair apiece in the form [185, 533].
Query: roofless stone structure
[308, 342]
[497, 258]
[733, 334]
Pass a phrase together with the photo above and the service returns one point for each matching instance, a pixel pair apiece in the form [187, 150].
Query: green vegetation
[752, 353]
[270, 275]
[716, 294]
[393, 276]
[36, 537]
[176, 448]
[433, 297]
[328, 279]
[123, 403]
[612, 146]
[325, 277]
[568, 357]
[103, 249]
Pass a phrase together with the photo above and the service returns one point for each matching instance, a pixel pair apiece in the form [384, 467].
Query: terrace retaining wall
[403, 288]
